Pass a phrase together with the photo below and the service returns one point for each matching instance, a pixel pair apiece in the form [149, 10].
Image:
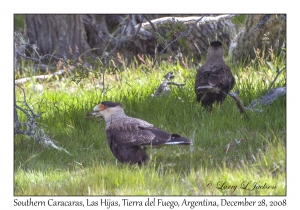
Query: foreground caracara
[214, 79]
[128, 137]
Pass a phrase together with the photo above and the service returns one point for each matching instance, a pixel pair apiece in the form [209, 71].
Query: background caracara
[214, 79]
[128, 137]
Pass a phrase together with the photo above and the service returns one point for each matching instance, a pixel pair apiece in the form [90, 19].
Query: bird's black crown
[216, 44]
[111, 104]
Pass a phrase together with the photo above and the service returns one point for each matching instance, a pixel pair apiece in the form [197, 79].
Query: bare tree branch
[262, 22]
[177, 84]
[122, 33]
[182, 34]
[278, 72]
[138, 29]
[151, 24]
[107, 55]
[39, 60]
[153, 27]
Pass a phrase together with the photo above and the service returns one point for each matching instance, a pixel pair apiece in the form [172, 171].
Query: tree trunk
[96, 32]
[61, 34]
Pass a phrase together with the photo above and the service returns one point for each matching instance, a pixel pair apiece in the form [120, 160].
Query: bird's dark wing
[127, 154]
[213, 82]
[215, 75]
[229, 77]
[225, 77]
[135, 132]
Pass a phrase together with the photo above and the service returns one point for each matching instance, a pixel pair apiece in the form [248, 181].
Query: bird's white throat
[113, 113]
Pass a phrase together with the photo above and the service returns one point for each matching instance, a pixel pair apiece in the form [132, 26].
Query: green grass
[91, 169]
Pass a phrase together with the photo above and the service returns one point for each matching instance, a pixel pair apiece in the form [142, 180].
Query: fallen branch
[267, 99]
[30, 126]
[256, 104]
[200, 20]
[191, 22]
[239, 103]
[39, 77]
[163, 88]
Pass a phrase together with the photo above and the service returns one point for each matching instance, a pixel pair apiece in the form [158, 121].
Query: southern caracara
[214, 79]
[129, 137]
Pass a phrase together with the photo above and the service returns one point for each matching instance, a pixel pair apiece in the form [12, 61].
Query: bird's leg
[209, 109]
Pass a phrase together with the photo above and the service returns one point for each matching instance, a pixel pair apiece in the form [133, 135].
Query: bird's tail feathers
[178, 140]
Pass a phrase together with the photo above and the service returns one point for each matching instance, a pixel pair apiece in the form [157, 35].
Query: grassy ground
[257, 166]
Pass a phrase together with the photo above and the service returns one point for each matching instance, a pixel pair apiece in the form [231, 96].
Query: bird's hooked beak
[97, 110]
